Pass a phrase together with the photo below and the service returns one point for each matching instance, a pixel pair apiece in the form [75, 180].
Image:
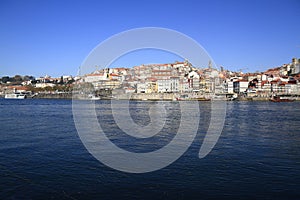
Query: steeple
[209, 64]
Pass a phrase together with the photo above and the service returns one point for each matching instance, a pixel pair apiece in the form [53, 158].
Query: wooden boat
[279, 99]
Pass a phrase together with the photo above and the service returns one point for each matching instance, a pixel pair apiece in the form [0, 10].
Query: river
[256, 156]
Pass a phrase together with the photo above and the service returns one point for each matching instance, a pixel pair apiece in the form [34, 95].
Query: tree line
[18, 79]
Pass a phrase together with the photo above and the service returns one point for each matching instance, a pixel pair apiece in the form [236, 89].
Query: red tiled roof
[152, 79]
[114, 75]
[17, 87]
[168, 70]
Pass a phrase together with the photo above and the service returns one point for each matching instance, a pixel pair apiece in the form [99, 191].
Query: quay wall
[155, 96]
[52, 96]
[141, 96]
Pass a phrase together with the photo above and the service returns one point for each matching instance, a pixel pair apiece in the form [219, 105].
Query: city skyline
[54, 37]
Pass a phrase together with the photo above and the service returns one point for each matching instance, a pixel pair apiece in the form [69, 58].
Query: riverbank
[52, 96]
[148, 97]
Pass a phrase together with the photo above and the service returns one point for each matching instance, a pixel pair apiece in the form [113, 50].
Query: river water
[256, 156]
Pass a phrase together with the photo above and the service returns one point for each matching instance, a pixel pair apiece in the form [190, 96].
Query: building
[163, 85]
[174, 84]
[141, 87]
[43, 85]
[230, 87]
[184, 85]
[91, 78]
[240, 86]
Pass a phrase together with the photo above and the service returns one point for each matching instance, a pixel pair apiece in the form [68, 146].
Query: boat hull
[15, 96]
[281, 100]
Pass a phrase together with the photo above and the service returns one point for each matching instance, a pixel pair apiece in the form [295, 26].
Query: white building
[193, 74]
[141, 87]
[129, 90]
[174, 84]
[163, 85]
[43, 85]
[240, 86]
[90, 78]
[230, 87]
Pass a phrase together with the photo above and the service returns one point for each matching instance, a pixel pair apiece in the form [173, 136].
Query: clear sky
[39, 37]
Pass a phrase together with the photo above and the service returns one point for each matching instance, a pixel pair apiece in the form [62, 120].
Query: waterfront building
[230, 87]
[16, 89]
[43, 85]
[141, 87]
[184, 85]
[106, 84]
[163, 85]
[151, 85]
[174, 84]
[240, 86]
[195, 84]
[91, 78]
[266, 87]
[129, 90]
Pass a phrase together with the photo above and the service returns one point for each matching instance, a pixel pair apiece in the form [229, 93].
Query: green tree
[18, 78]
[48, 88]
[5, 79]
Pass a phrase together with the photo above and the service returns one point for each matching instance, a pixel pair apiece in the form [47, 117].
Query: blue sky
[39, 37]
